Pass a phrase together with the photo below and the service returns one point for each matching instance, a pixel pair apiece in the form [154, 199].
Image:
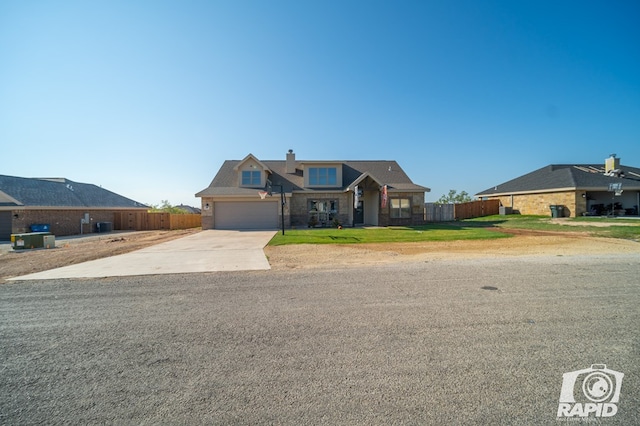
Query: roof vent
[69, 187]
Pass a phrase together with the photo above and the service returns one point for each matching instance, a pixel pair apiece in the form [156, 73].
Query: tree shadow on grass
[453, 226]
[344, 239]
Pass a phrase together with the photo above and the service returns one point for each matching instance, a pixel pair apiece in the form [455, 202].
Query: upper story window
[323, 176]
[251, 178]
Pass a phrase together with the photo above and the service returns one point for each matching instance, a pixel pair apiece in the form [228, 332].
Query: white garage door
[246, 215]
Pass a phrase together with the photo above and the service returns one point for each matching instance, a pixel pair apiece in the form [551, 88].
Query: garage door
[5, 226]
[246, 215]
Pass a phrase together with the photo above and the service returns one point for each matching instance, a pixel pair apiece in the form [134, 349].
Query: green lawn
[615, 228]
[471, 229]
[392, 234]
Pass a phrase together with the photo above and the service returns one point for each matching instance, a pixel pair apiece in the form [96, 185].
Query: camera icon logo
[597, 386]
[595, 390]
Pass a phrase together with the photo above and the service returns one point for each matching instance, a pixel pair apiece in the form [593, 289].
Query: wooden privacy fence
[448, 212]
[476, 209]
[438, 212]
[143, 221]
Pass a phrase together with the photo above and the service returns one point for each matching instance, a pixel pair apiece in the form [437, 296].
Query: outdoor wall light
[206, 206]
[15, 216]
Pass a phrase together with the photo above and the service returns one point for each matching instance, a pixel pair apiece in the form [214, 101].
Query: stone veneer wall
[539, 204]
[297, 215]
[207, 213]
[299, 205]
[417, 211]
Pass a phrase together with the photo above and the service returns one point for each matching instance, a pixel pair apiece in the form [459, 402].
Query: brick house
[68, 207]
[581, 190]
[315, 193]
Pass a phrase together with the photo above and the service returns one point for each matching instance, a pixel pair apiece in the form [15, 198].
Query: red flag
[384, 197]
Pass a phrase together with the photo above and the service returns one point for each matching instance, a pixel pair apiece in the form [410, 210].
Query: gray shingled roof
[58, 192]
[386, 172]
[562, 176]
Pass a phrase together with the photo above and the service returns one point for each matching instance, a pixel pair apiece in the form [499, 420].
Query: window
[324, 206]
[400, 208]
[323, 176]
[251, 177]
[322, 212]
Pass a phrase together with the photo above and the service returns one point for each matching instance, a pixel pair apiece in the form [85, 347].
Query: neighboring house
[316, 193]
[581, 189]
[68, 207]
[188, 209]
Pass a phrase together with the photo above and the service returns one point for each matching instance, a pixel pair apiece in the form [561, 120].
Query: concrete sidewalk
[206, 251]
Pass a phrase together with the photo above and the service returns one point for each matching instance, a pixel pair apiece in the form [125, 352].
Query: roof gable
[251, 158]
[362, 177]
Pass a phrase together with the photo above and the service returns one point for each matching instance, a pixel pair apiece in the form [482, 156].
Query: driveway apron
[206, 251]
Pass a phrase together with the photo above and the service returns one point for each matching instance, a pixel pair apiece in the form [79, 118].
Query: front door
[358, 215]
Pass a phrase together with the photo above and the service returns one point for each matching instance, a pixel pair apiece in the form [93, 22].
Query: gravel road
[416, 343]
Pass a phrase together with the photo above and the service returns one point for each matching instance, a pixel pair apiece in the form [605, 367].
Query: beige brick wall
[539, 204]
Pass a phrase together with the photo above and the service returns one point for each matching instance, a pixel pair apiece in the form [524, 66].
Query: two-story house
[247, 194]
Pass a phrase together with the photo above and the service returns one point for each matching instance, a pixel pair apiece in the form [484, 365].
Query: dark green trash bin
[557, 211]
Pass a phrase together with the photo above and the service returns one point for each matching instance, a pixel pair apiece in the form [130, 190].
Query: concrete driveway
[206, 251]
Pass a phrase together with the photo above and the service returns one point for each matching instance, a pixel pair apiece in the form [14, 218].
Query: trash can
[560, 211]
[40, 227]
[104, 227]
[554, 211]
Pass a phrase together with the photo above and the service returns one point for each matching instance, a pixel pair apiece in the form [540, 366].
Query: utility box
[30, 240]
[49, 241]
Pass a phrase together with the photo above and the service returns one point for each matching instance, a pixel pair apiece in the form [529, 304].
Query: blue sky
[148, 98]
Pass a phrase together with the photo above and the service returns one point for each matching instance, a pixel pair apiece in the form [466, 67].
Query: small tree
[455, 198]
[166, 207]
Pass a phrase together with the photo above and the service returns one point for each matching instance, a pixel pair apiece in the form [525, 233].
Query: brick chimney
[291, 162]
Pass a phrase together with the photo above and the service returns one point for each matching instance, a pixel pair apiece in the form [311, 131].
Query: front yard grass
[391, 234]
[471, 229]
[594, 226]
